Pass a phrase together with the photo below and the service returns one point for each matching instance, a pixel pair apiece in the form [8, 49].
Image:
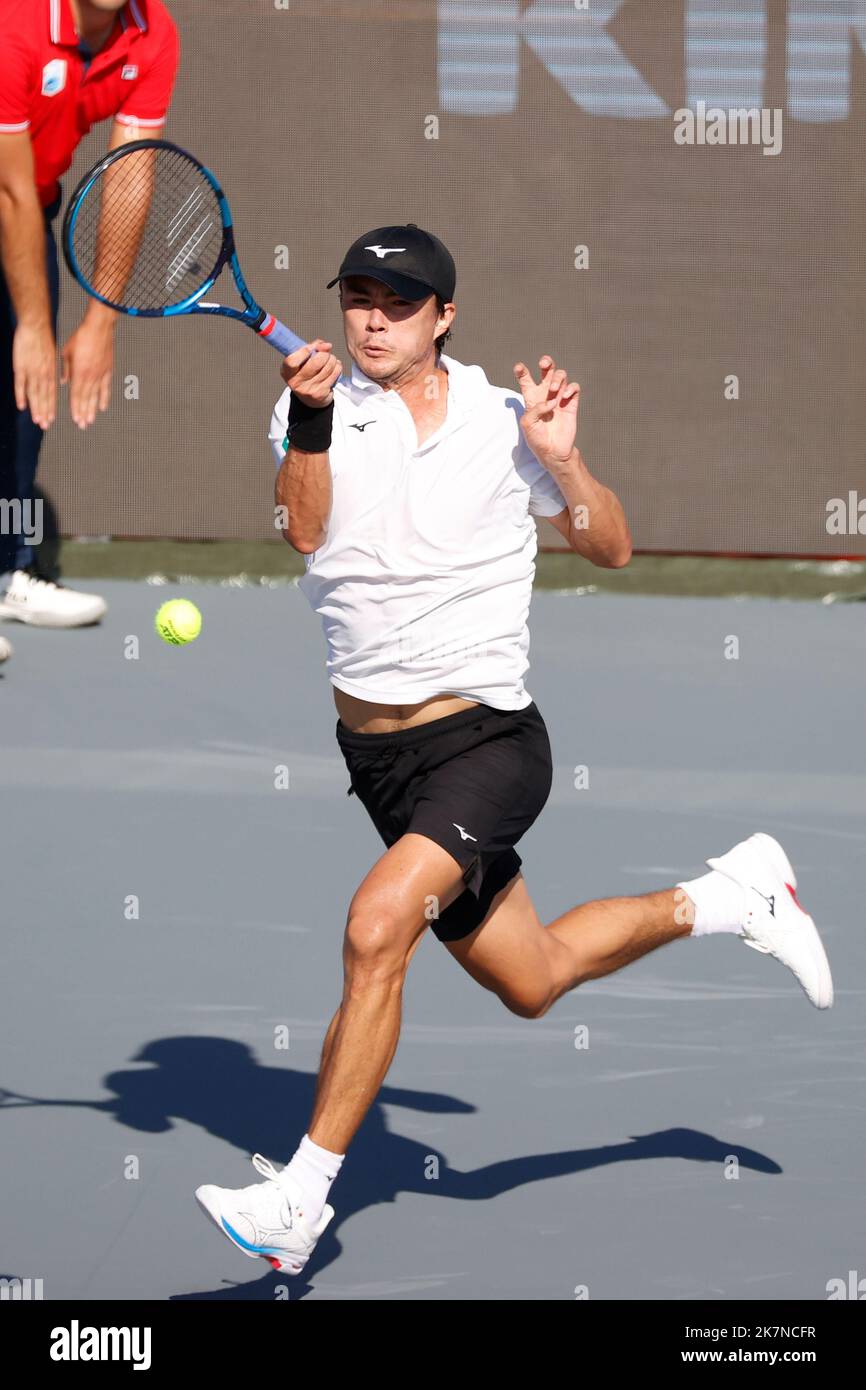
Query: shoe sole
[35, 621]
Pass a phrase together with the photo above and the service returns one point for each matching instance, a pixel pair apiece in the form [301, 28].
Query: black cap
[412, 262]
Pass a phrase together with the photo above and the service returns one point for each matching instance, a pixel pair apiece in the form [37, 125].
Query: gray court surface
[500, 1161]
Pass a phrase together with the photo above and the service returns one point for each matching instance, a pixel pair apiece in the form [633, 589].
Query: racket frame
[256, 318]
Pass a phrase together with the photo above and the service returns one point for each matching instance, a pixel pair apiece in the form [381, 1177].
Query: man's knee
[527, 1004]
[377, 946]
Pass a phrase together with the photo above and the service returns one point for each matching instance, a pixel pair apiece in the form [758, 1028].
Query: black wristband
[309, 426]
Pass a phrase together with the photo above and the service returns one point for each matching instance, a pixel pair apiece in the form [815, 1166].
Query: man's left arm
[593, 522]
[87, 357]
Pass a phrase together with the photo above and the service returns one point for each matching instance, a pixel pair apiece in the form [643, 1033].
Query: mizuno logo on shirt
[383, 251]
[129, 72]
[464, 834]
[361, 428]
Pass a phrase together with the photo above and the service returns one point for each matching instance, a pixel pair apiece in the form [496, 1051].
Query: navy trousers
[20, 438]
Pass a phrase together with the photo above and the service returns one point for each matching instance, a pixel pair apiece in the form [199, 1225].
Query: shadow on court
[167, 902]
[217, 1084]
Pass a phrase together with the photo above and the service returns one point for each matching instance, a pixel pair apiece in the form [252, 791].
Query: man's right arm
[303, 486]
[22, 249]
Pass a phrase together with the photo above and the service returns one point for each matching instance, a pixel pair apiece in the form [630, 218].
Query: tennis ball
[178, 621]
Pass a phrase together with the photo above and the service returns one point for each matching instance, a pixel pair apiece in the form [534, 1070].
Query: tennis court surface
[171, 911]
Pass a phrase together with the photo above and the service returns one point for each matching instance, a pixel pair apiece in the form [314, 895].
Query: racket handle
[283, 339]
[278, 336]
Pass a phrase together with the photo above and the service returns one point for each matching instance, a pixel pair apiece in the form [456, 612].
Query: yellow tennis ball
[178, 621]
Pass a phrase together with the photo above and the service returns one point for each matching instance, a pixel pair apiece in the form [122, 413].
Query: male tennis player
[64, 66]
[410, 489]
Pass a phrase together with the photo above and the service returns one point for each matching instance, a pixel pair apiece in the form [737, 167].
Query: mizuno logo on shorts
[464, 834]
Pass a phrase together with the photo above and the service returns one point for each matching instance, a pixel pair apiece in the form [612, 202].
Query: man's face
[387, 336]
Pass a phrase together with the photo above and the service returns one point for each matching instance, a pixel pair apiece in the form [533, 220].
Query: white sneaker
[42, 603]
[6, 649]
[775, 922]
[265, 1219]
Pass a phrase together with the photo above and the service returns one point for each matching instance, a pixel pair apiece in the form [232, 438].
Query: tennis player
[65, 65]
[410, 489]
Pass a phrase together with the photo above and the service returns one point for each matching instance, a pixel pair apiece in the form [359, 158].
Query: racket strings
[149, 230]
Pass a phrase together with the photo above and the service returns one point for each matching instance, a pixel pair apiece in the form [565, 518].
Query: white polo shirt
[424, 580]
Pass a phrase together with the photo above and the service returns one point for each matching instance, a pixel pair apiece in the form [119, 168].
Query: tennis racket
[147, 232]
[12, 1100]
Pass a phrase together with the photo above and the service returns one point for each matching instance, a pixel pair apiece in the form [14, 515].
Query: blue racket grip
[282, 338]
[278, 336]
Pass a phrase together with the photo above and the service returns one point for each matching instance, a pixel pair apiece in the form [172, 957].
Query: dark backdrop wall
[519, 132]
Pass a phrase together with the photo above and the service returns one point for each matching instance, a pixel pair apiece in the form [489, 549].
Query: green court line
[274, 562]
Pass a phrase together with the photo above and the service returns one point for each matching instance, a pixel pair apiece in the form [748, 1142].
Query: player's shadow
[218, 1084]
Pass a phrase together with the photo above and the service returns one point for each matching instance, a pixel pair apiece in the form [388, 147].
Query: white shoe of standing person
[6, 649]
[42, 603]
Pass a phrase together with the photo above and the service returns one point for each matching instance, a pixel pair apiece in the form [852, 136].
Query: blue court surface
[168, 910]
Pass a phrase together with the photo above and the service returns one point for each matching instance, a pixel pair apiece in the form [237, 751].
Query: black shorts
[473, 782]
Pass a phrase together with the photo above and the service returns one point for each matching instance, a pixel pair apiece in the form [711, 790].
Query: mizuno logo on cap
[383, 251]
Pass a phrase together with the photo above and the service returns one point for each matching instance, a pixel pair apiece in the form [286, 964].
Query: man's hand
[549, 422]
[87, 360]
[34, 364]
[312, 377]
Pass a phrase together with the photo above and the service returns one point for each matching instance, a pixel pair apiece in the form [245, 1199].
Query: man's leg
[529, 965]
[8, 435]
[334, 1024]
[42, 603]
[385, 924]
[282, 1218]
[28, 435]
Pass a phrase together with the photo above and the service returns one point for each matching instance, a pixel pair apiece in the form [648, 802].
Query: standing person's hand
[34, 365]
[311, 376]
[549, 422]
[87, 361]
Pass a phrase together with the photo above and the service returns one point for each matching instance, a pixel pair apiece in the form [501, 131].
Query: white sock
[720, 903]
[313, 1169]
